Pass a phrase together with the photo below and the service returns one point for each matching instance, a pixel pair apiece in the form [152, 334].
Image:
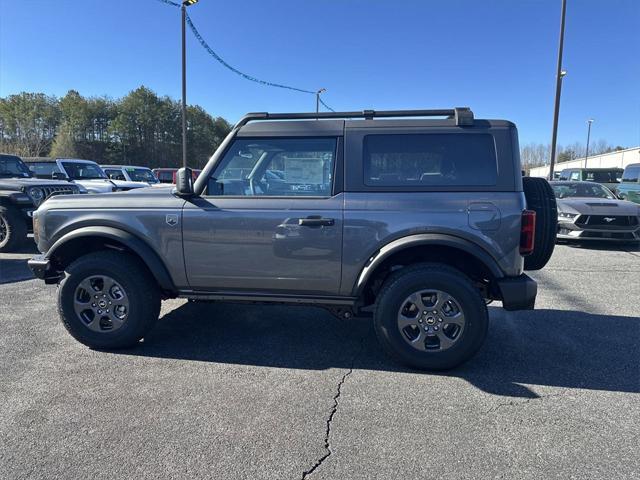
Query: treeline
[141, 128]
[537, 154]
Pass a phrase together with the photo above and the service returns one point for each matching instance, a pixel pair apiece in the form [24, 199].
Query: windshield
[141, 175]
[585, 190]
[83, 171]
[13, 167]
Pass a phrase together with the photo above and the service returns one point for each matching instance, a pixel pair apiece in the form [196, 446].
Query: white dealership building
[619, 159]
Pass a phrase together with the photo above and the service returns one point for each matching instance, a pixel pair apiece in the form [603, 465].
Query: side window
[44, 169]
[114, 174]
[423, 160]
[288, 167]
[575, 176]
[631, 174]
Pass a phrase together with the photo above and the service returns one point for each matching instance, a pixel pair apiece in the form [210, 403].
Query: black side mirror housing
[59, 176]
[184, 182]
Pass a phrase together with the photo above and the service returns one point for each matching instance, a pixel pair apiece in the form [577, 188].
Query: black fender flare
[148, 256]
[426, 239]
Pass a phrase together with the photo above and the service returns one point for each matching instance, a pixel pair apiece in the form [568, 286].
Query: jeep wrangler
[417, 222]
[20, 195]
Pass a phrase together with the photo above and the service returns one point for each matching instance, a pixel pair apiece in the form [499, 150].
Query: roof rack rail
[462, 115]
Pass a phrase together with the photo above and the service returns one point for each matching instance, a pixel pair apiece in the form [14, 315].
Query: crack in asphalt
[332, 413]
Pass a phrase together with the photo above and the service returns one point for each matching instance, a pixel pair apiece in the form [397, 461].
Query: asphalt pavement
[272, 392]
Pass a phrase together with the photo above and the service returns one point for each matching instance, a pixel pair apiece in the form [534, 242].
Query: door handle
[315, 221]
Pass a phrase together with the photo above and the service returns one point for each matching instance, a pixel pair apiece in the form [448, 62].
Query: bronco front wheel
[108, 300]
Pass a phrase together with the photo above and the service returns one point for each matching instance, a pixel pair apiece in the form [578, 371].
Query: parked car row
[24, 186]
[624, 183]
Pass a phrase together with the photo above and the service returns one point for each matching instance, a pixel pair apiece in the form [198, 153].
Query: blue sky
[497, 56]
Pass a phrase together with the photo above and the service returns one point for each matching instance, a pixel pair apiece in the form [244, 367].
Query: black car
[20, 195]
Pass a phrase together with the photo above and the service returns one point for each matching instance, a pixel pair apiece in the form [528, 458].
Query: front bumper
[571, 231]
[42, 269]
[518, 293]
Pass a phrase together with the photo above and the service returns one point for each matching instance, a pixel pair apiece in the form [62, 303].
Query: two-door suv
[418, 222]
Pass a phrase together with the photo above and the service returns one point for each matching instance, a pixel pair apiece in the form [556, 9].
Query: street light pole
[559, 75]
[586, 156]
[183, 11]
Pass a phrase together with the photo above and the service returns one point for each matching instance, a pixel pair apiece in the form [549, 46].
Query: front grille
[50, 191]
[612, 235]
[607, 221]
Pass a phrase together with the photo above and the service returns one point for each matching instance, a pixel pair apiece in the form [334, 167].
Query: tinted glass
[276, 167]
[114, 174]
[429, 160]
[165, 176]
[602, 177]
[586, 190]
[631, 174]
[83, 171]
[44, 169]
[141, 175]
[11, 166]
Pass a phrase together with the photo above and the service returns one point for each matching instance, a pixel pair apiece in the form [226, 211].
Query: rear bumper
[42, 269]
[518, 293]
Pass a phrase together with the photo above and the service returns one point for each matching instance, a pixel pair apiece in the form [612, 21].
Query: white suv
[131, 173]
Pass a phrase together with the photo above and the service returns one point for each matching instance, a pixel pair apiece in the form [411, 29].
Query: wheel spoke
[445, 341]
[117, 322]
[404, 321]
[443, 298]
[86, 286]
[419, 341]
[416, 299]
[95, 324]
[457, 319]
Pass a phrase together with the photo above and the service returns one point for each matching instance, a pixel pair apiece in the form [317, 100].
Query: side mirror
[184, 182]
[59, 176]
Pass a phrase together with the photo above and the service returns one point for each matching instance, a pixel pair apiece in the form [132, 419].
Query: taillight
[527, 232]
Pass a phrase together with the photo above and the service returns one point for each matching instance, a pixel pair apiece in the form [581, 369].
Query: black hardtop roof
[334, 123]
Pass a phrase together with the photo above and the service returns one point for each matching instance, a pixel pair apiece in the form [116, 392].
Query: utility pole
[322, 90]
[559, 75]
[586, 156]
[183, 11]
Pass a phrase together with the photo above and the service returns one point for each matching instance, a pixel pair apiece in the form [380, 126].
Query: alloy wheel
[431, 320]
[101, 303]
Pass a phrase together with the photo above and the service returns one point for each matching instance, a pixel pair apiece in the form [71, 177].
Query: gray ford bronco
[418, 222]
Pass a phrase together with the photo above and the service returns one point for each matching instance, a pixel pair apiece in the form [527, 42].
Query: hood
[140, 198]
[99, 185]
[127, 184]
[18, 184]
[597, 206]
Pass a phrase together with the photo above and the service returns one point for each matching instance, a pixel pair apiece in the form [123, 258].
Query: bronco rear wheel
[108, 300]
[542, 200]
[430, 316]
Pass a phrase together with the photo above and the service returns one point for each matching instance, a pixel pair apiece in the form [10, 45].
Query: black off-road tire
[541, 199]
[139, 285]
[423, 277]
[15, 229]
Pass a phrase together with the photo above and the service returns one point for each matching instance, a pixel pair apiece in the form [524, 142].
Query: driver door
[269, 220]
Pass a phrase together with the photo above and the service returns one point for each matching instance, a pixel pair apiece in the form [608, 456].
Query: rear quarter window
[423, 160]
